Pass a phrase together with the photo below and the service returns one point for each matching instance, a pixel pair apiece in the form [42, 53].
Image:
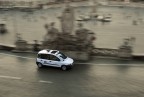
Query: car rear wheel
[64, 68]
[39, 65]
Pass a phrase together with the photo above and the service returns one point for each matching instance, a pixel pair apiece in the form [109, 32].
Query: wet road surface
[20, 77]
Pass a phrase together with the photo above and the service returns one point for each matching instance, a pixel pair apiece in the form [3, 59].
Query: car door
[54, 61]
[43, 59]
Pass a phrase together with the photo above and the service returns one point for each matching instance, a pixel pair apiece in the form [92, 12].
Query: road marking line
[10, 77]
[100, 64]
[42, 81]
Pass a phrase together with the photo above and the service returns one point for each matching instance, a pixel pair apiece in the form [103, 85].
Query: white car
[53, 58]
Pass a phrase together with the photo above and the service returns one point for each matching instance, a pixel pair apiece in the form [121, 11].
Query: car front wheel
[64, 67]
[39, 65]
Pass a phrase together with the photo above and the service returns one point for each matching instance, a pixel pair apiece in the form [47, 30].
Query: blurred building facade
[16, 3]
[31, 3]
[36, 3]
[128, 0]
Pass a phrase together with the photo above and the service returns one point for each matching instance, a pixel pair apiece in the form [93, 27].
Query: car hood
[68, 61]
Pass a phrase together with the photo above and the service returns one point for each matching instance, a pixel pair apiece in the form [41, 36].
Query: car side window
[48, 56]
[39, 56]
[54, 58]
[43, 56]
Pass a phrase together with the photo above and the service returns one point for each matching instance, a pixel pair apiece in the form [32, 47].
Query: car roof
[47, 51]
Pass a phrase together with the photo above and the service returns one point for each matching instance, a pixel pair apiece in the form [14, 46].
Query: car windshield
[62, 55]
